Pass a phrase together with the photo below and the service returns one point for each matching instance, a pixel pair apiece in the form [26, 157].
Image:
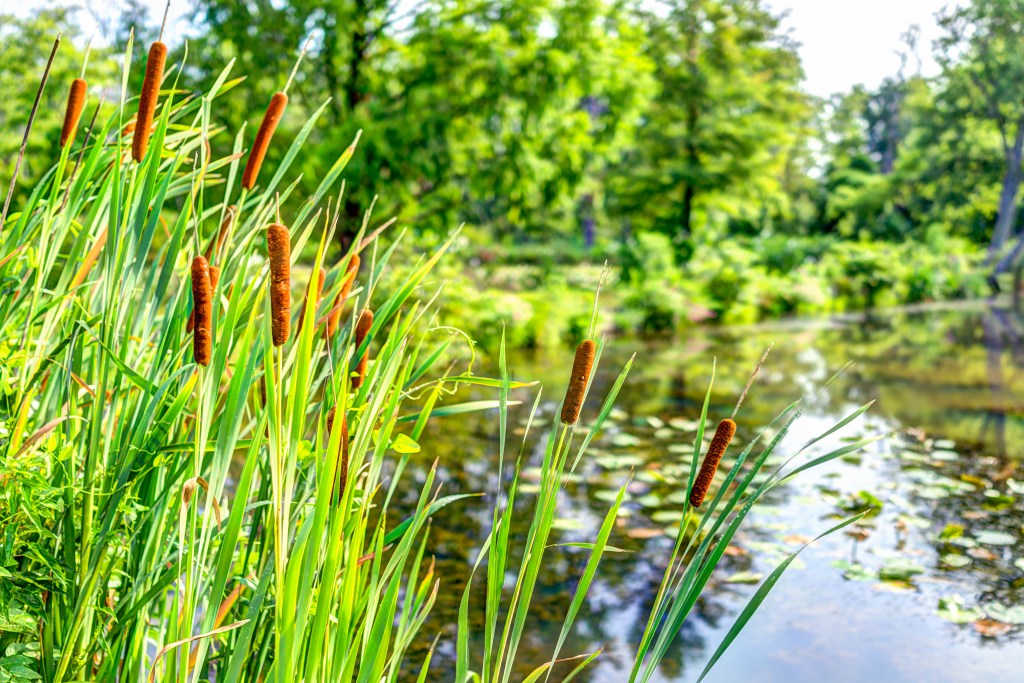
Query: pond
[929, 588]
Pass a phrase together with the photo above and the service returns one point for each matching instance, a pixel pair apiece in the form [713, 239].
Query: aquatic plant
[171, 522]
[719, 442]
[148, 98]
[582, 364]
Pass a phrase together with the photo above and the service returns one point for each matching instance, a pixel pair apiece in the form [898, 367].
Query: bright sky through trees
[843, 42]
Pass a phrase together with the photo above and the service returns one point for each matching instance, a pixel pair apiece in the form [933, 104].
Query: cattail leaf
[134, 377]
[459, 409]
[583, 587]
[761, 594]
[434, 508]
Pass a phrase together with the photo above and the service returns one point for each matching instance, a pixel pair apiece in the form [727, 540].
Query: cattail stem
[363, 326]
[723, 436]
[73, 111]
[577, 389]
[202, 302]
[262, 142]
[279, 250]
[148, 99]
[341, 474]
[750, 381]
[28, 129]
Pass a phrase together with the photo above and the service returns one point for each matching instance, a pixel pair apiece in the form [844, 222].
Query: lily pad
[745, 577]
[952, 609]
[899, 570]
[954, 561]
[994, 537]
[1008, 615]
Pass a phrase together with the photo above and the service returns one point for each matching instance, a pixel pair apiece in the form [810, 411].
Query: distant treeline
[592, 120]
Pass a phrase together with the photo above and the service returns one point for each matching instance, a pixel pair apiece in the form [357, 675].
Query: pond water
[930, 588]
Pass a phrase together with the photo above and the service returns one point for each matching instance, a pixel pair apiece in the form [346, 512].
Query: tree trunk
[1008, 196]
[686, 217]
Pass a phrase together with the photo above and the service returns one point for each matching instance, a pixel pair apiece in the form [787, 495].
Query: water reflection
[929, 589]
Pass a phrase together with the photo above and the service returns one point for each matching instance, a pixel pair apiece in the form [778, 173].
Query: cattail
[202, 304]
[341, 476]
[339, 303]
[214, 279]
[147, 99]
[279, 249]
[723, 435]
[363, 326]
[76, 102]
[581, 366]
[259, 146]
[316, 299]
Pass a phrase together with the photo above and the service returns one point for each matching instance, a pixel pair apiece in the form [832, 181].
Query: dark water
[931, 588]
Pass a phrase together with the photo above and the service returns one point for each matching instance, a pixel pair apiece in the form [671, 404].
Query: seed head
[148, 99]
[73, 112]
[723, 436]
[266, 131]
[574, 393]
[202, 307]
[363, 326]
[279, 250]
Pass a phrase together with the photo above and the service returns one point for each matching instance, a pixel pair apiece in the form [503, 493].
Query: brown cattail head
[148, 98]
[202, 305]
[346, 288]
[723, 436]
[363, 326]
[76, 102]
[214, 279]
[577, 388]
[259, 146]
[279, 250]
[341, 475]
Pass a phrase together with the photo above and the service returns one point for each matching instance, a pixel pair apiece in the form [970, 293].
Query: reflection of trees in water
[952, 373]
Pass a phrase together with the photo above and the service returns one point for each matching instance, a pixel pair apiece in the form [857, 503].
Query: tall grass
[177, 521]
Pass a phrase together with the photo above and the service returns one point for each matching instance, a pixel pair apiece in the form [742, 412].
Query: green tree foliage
[24, 48]
[726, 125]
[502, 114]
[982, 55]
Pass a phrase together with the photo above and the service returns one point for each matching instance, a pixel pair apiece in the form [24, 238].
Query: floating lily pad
[952, 609]
[625, 440]
[955, 561]
[1008, 615]
[899, 570]
[855, 571]
[994, 537]
[745, 577]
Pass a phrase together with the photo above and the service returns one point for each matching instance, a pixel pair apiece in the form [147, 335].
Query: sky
[843, 42]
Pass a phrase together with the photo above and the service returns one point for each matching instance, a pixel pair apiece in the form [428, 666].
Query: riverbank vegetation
[203, 478]
[674, 140]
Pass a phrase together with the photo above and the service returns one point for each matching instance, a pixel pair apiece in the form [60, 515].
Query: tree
[497, 113]
[24, 48]
[982, 59]
[722, 128]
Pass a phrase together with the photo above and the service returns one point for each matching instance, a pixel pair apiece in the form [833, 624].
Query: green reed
[181, 521]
